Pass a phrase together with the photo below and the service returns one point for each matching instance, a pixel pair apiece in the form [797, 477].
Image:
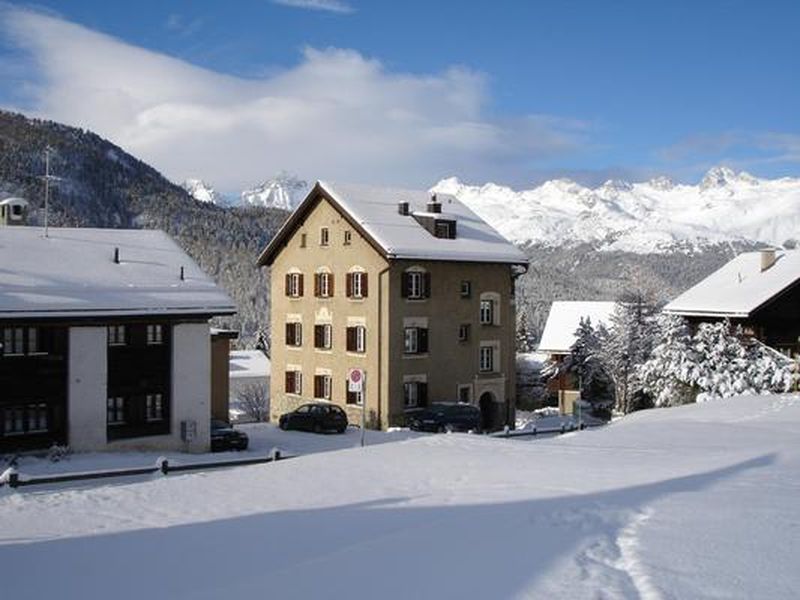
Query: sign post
[355, 383]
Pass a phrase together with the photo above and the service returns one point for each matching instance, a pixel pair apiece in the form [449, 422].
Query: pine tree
[585, 365]
[670, 374]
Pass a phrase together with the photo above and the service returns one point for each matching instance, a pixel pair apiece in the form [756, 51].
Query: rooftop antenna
[47, 177]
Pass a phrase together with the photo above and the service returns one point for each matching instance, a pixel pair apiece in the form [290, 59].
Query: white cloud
[336, 114]
[327, 5]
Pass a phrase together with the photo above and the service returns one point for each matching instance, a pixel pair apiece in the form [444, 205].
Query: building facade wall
[449, 363]
[338, 258]
[88, 381]
[191, 388]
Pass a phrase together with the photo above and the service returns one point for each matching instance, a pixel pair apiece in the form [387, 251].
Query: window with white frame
[324, 285]
[357, 338]
[415, 340]
[415, 284]
[13, 341]
[322, 386]
[154, 407]
[355, 397]
[115, 410]
[358, 284]
[323, 336]
[294, 285]
[466, 288]
[486, 359]
[14, 420]
[37, 418]
[487, 312]
[116, 335]
[415, 393]
[294, 382]
[155, 335]
[294, 334]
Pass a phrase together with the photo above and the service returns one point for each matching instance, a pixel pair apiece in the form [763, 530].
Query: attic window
[445, 229]
[324, 236]
[348, 236]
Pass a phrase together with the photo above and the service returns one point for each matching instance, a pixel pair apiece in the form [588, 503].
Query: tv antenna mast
[47, 178]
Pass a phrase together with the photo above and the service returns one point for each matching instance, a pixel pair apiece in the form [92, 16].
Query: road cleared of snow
[692, 502]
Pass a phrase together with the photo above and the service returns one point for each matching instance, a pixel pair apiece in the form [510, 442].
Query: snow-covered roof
[739, 287]
[375, 211]
[72, 273]
[11, 201]
[564, 319]
[249, 363]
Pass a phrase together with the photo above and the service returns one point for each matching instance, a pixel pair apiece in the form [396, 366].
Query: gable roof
[72, 273]
[739, 287]
[564, 319]
[372, 211]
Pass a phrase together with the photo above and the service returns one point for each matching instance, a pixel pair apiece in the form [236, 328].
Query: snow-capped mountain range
[654, 216]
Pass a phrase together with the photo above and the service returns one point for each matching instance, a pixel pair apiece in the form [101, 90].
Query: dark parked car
[443, 417]
[316, 418]
[225, 437]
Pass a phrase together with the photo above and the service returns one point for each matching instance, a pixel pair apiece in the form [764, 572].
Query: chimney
[116, 255]
[433, 205]
[402, 208]
[768, 258]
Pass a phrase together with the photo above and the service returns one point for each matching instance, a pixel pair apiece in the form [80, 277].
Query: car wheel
[341, 429]
[283, 425]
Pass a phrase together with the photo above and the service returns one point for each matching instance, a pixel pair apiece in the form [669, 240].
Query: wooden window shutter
[422, 394]
[351, 339]
[289, 334]
[300, 285]
[289, 382]
[404, 284]
[348, 284]
[330, 284]
[319, 336]
[317, 278]
[288, 284]
[426, 292]
[422, 340]
[364, 287]
[317, 386]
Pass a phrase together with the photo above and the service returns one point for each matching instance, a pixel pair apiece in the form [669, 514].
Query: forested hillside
[101, 185]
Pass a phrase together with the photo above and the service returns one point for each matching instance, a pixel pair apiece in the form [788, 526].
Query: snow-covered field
[692, 502]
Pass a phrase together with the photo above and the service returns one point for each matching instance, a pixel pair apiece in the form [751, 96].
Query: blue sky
[409, 92]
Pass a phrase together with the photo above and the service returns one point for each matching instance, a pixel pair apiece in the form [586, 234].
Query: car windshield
[217, 424]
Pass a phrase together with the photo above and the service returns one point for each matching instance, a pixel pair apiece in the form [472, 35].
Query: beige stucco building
[414, 289]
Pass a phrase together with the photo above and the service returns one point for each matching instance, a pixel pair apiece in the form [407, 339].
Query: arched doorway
[488, 413]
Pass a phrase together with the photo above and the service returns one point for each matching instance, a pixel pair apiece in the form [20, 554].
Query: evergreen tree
[670, 374]
[585, 365]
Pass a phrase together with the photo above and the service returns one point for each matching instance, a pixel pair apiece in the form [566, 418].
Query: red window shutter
[289, 382]
[287, 284]
[318, 336]
[364, 287]
[426, 292]
[300, 286]
[349, 285]
[404, 285]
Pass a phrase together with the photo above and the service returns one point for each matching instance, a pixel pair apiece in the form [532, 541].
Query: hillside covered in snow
[654, 216]
[692, 502]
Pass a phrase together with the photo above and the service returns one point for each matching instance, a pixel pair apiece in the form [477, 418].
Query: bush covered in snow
[717, 362]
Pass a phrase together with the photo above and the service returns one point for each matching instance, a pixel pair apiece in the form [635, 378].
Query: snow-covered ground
[691, 502]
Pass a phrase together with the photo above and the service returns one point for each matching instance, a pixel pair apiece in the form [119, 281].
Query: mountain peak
[282, 191]
[722, 177]
[202, 191]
